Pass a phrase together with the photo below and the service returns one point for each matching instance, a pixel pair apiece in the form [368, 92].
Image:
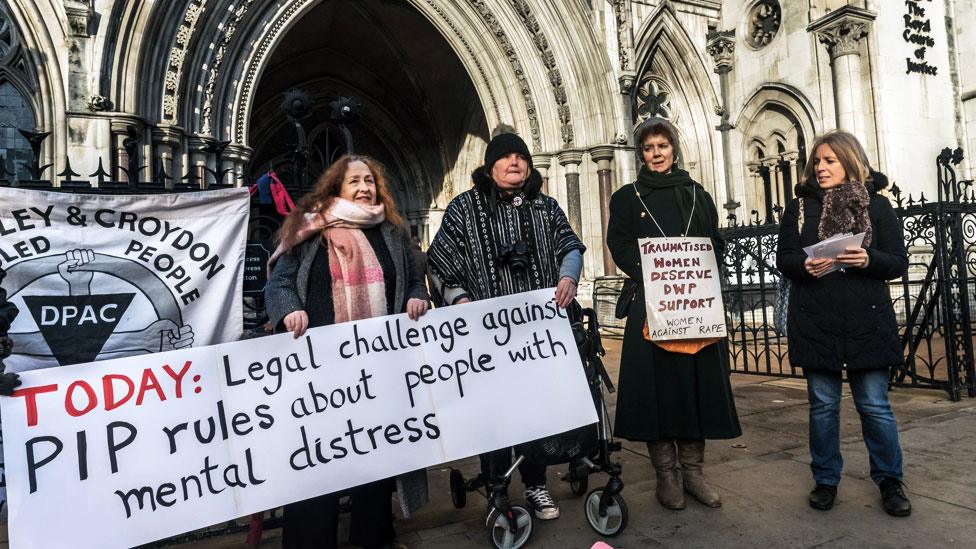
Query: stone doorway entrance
[420, 114]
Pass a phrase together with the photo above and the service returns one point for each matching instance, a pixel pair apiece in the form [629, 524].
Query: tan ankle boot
[664, 459]
[691, 454]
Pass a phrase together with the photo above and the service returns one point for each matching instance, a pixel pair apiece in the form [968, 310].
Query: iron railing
[935, 301]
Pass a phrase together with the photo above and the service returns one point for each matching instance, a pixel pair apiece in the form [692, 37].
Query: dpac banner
[123, 452]
[97, 277]
[682, 288]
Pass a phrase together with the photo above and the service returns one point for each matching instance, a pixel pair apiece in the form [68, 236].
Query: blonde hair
[849, 153]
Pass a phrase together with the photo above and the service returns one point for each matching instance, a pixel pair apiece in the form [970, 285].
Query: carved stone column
[721, 46]
[603, 156]
[541, 163]
[571, 159]
[199, 160]
[841, 32]
[166, 151]
[79, 32]
[234, 159]
[126, 135]
[625, 43]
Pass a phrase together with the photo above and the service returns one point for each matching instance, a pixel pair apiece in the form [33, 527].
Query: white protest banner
[123, 452]
[106, 276]
[98, 276]
[682, 289]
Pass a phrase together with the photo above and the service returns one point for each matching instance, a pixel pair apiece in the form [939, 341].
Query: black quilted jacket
[844, 320]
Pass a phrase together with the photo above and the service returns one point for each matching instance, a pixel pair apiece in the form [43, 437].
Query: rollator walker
[587, 450]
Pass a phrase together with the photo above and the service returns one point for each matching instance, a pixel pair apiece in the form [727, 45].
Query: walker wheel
[500, 536]
[579, 485]
[459, 492]
[615, 519]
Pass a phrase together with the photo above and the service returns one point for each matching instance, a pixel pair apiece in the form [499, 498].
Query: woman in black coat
[840, 316]
[671, 401]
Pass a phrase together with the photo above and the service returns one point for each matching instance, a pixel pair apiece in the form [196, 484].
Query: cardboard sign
[122, 452]
[682, 288]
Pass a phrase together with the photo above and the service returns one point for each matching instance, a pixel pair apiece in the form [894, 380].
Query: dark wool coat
[844, 320]
[663, 395]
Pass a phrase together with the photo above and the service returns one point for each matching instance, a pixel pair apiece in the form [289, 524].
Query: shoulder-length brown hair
[849, 153]
[328, 187]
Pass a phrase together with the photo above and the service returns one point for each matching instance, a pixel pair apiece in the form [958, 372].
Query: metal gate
[934, 301]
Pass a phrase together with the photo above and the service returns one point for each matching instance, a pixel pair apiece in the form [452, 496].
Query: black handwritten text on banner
[682, 288]
[151, 446]
[99, 277]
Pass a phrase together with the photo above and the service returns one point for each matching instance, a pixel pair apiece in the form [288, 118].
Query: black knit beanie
[502, 145]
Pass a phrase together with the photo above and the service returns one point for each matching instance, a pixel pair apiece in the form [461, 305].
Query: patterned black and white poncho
[476, 227]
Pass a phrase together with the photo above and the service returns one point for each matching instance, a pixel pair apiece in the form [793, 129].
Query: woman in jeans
[840, 316]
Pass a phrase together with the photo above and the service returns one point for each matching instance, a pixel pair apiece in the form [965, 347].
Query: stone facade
[189, 85]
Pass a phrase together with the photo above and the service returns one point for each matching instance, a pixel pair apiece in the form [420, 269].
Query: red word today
[115, 391]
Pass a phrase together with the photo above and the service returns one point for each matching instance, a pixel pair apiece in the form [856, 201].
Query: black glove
[8, 312]
[6, 347]
[8, 382]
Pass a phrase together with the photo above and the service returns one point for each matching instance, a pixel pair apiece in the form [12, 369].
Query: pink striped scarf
[358, 284]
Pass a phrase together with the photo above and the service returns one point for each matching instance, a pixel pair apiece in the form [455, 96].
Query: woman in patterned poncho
[503, 237]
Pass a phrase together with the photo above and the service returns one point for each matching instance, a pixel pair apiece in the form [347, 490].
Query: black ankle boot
[893, 498]
[822, 497]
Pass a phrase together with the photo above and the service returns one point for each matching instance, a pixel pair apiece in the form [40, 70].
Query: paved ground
[763, 478]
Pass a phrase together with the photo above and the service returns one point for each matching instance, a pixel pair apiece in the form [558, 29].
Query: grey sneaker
[541, 502]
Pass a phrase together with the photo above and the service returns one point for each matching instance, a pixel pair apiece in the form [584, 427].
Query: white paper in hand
[833, 247]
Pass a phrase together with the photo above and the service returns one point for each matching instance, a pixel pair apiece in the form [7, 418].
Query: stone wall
[747, 92]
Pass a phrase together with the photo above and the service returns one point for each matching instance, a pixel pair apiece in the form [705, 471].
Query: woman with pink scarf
[344, 255]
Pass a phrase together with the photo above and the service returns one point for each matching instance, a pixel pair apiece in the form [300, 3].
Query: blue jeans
[870, 391]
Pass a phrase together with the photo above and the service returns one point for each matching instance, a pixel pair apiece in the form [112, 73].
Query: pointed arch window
[15, 114]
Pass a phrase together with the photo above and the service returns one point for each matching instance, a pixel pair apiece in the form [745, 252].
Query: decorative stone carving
[79, 17]
[721, 46]
[170, 136]
[571, 159]
[602, 153]
[841, 39]
[765, 18]
[552, 71]
[653, 98]
[99, 103]
[842, 29]
[12, 55]
[496, 28]
[8, 37]
[248, 79]
[625, 35]
[626, 81]
[171, 82]
[213, 72]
